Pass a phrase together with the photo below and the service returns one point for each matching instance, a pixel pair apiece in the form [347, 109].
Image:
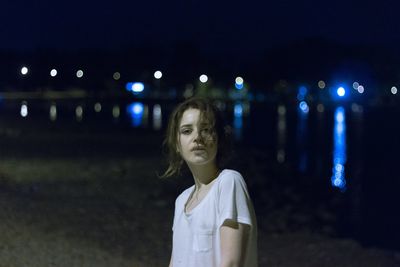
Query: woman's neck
[204, 175]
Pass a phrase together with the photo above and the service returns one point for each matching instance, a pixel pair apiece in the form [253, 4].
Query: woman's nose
[197, 136]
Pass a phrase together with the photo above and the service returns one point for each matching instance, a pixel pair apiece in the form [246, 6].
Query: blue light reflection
[302, 115]
[339, 150]
[135, 112]
[238, 120]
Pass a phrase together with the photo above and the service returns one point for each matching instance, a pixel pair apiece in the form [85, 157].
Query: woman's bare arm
[170, 262]
[234, 238]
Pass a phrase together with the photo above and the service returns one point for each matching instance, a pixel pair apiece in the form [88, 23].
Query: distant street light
[203, 78]
[53, 73]
[24, 70]
[158, 74]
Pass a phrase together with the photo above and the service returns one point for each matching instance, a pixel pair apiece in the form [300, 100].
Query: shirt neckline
[203, 200]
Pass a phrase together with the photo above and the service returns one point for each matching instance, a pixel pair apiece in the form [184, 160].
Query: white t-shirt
[196, 235]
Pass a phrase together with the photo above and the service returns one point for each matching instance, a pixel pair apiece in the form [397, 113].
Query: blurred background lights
[79, 73]
[137, 87]
[304, 107]
[24, 109]
[341, 91]
[53, 73]
[24, 70]
[239, 80]
[339, 150]
[97, 107]
[157, 74]
[135, 111]
[356, 85]
[320, 108]
[238, 110]
[79, 113]
[203, 78]
[53, 112]
[301, 95]
[239, 83]
[321, 84]
[281, 110]
[116, 111]
[157, 117]
[393, 90]
[360, 89]
[137, 108]
[116, 76]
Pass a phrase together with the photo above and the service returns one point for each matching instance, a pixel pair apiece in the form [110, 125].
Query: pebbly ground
[63, 206]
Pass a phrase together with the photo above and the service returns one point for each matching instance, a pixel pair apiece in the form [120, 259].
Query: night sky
[236, 26]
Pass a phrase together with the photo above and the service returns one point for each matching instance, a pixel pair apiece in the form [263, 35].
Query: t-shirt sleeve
[234, 202]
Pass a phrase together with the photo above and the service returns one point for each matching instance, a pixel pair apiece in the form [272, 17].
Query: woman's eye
[186, 131]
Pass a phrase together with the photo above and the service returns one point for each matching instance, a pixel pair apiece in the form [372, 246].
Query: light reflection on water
[302, 118]
[281, 134]
[339, 149]
[292, 132]
[136, 112]
[238, 121]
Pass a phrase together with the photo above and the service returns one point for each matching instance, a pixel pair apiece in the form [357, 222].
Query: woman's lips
[198, 149]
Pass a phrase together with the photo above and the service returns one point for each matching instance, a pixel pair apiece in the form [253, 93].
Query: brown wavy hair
[208, 113]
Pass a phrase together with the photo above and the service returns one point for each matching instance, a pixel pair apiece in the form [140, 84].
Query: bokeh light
[320, 108]
[158, 74]
[203, 78]
[341, 91]
[97, 107]
[393, 90]
[24, 109]
[116, 111]
[53, 73]
[79, 73]
[24, 70]
[321, 84]
[116, 76]
[53, 112]
[304, 107]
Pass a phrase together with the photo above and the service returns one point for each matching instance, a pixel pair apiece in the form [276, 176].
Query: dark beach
[72, 198]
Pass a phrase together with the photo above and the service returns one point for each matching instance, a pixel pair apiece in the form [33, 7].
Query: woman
[214, 221]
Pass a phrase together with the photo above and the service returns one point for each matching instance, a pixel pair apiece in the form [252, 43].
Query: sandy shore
[112, 210]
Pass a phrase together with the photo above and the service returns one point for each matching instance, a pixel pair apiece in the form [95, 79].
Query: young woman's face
[197, 142]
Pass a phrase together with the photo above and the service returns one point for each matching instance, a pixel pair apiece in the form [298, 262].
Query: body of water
[351, 149]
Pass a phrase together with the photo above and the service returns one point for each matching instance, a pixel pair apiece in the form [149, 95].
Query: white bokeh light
[360, 89]
[97, 107]
[117, 75]
[239, 80]
[24, 70]
[393, 90]
[203, 78]
[53, 73]
[321, 84]
[158, 74]
[79, 73]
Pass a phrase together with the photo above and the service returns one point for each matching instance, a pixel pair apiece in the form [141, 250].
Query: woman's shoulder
[231, 176]
[184, 195]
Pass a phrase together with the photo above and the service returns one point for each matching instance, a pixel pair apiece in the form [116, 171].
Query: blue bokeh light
[339, 150]
[301, 95]
[136, 87]
[304, 107]
[135, 112]
[239, 86]
[238, 121]
[341, 91]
